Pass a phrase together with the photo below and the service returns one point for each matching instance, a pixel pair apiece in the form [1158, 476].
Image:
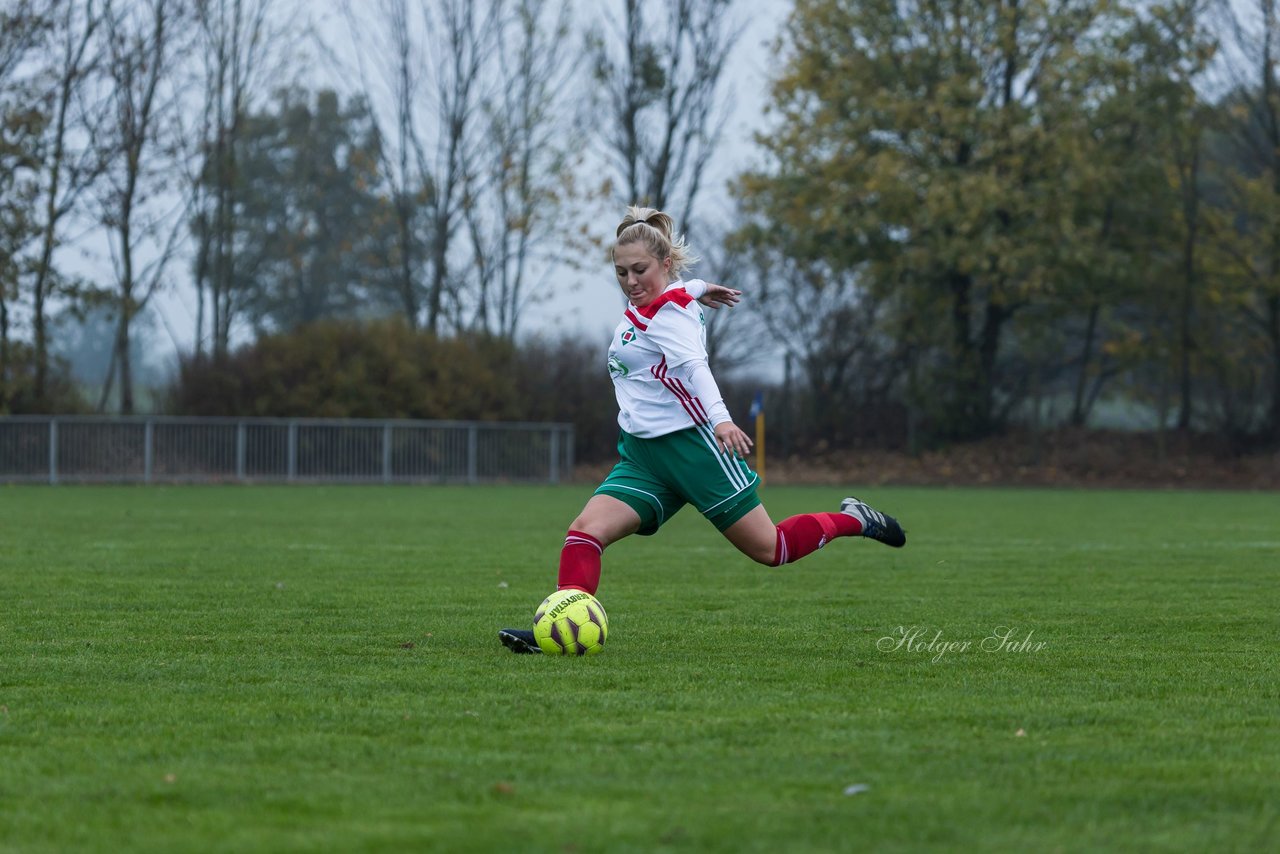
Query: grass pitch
[262, 668]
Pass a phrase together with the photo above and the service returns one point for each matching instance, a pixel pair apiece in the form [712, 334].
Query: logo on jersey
[628, 336]
[616, 368]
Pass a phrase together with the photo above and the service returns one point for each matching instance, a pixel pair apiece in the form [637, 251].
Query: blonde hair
[656, 231]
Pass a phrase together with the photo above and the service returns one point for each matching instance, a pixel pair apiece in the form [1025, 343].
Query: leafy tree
[24, 115]
[921, 149]
[314, 225]
[1132, 258]
[1251, 192]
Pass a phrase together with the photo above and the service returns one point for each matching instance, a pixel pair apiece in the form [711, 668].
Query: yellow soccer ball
[570, 622]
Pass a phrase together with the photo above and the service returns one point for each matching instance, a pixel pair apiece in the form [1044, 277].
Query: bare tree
[135, 206]
[828, 323]
[467, 36]
[735, 339]
[426, 60]
[70, 163]
[661, 73]
[392, 78]
[238, 46]
[520, 189]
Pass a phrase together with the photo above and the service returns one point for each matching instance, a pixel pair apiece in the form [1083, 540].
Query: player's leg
[723, 487]
[631, 500]
[758, 538]
[604, 520]
[755, 536]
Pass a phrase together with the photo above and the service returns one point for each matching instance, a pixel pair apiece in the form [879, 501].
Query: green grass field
[273, 668]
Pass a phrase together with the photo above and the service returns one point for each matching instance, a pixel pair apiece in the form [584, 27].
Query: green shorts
[657, 477]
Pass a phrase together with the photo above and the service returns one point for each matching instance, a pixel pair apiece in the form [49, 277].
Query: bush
[18, 383]
[385, 369]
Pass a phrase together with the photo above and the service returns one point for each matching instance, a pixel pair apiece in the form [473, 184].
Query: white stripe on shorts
[727, 465]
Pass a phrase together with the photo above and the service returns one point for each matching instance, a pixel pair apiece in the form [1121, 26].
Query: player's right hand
[718, 295]
[732, 440]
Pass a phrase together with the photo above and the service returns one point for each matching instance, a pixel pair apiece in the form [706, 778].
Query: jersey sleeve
[697, 375]
[677, 332]
[695, 288]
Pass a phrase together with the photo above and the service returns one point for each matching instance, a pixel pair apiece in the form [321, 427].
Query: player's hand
[718, 295]
[732, 440]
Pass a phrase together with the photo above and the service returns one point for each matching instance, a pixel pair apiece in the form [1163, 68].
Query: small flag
[757, 413]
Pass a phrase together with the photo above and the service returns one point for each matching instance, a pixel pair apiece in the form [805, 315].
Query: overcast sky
[578, 301]
[594, 305]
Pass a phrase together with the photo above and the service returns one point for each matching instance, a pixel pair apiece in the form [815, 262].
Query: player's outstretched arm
[718, 295]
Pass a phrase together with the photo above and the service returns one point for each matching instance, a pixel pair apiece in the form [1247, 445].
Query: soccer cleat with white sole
[519, 641]
[875, 525]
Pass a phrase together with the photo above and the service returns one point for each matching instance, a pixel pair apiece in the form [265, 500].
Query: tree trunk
[4, 353]
[1078, 412]
[439, 274]
[988, 352]
[201, 272]
[1191, 211]
[39, 325]
[631, 108]
[1273, 332]
[964, 385]
[409, 299]
[39, 328]
[124, 364]
[108, 381]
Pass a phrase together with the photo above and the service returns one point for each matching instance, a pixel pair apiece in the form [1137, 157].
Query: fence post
[240, 450]
[568, 450]
[472, 451]
[53, 451]
[293, 450]
[386, 452]
[555, 454]
[148, 438]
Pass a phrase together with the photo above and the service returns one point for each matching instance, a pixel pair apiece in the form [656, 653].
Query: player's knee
[586, 526]
[761, 553]
[602, 528]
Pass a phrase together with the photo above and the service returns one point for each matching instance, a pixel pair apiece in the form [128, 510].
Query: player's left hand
[732, 440]
[718, 295]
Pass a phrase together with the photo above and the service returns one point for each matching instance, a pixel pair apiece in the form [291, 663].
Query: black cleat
[876, 525]
[520, 641]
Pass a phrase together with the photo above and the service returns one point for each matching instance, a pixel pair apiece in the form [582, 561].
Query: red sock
[580, 562]
[802, 535]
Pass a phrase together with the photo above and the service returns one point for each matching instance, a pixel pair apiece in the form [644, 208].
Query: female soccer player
[678, 444]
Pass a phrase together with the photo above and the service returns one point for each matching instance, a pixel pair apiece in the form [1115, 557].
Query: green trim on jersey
[656, 477]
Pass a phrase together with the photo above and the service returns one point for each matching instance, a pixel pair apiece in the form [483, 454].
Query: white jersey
[653, 351]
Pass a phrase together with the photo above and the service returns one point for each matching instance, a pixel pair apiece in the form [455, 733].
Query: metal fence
[307, 450]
